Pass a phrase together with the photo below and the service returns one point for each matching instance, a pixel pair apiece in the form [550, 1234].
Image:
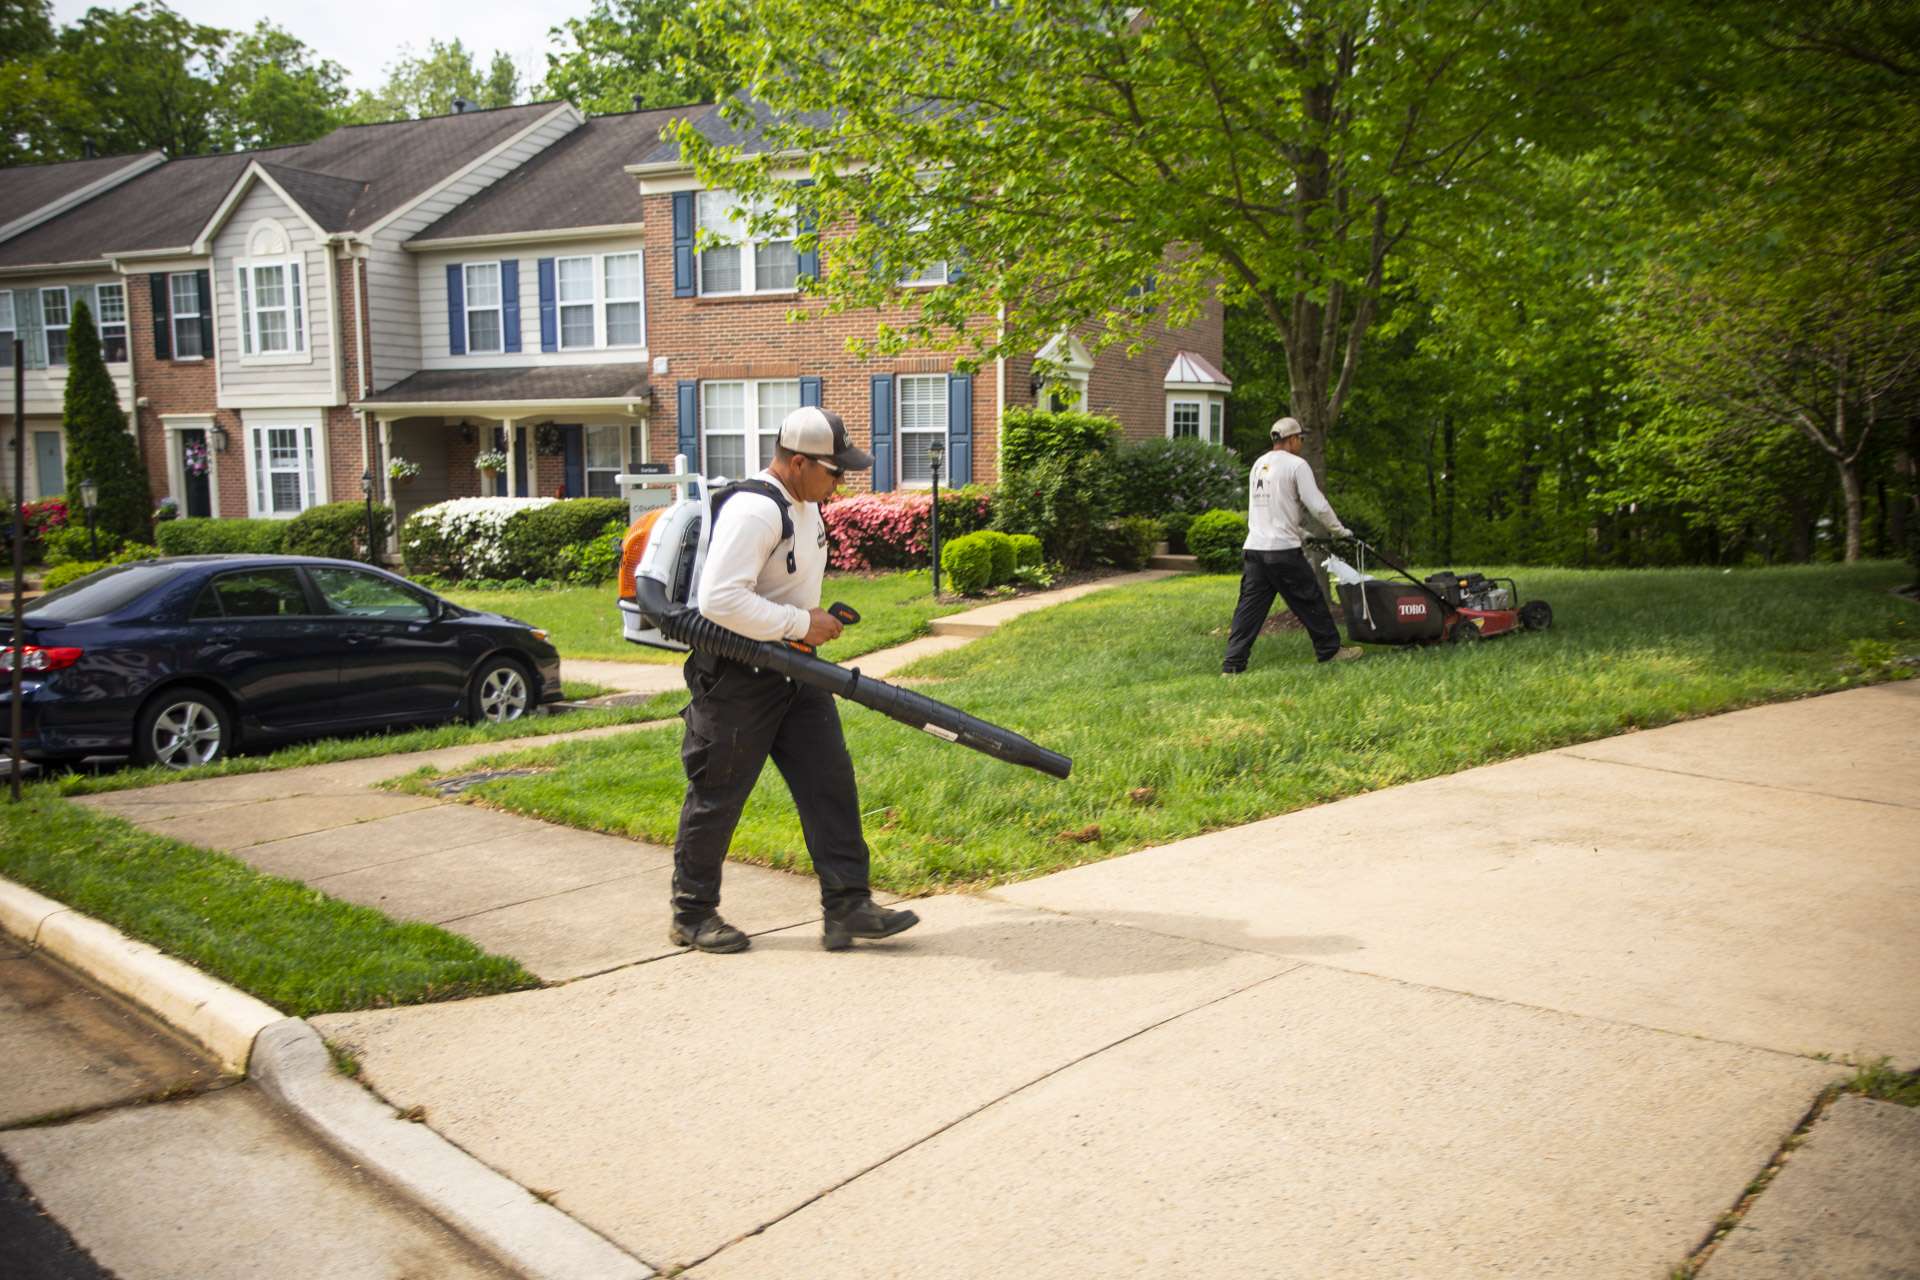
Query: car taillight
[35, 658]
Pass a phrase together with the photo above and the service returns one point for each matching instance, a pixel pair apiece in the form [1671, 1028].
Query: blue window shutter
[549, 308]
[810, 392]
[573, 461]
[510, 304]
[162, 316]
[456, 311]
[882, 432]
[683, 244]
[960, 428]
[809, 258]
[689, 423]
[203, 285]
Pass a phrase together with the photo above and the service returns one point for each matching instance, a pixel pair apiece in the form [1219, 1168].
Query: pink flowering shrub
[869, 531]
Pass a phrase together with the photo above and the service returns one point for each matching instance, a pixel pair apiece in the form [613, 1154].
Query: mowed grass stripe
[1126, 682]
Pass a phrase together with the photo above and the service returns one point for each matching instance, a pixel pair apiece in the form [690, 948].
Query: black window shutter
[203, 285]
[162, 317]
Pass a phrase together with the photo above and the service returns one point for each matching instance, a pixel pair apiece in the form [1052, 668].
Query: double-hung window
[739, 259]
[8, 329]
[1184, 420]
[923, 420]
[272, 313]
[1216, 421]
[574, 277]
[284, 483]
[54, 317]
[927, 273]
[603, 460]
[113, 322]
[183, 289]
[484, 327]
[741, 423]
[626, 316]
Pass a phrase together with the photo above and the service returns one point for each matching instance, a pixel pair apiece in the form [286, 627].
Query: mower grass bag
[1381, 612]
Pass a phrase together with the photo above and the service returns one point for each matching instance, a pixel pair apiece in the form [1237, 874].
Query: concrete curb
[215, 1016]
[291, 1065]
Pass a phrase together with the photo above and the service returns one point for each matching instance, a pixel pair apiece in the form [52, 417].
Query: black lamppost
[366, 487]
[935, 452]
[90, 498]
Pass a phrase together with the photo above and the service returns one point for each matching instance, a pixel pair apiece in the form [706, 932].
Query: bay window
[113, 322]
[484, 326]
[739, 259]
[54, 317]
[923, 420]
[741, 423]
[1184, 420]
[183, 289]
[1216, 419]
[272, 314]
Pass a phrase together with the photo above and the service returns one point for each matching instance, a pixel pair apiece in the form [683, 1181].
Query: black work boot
[708, 934]
[863, 919]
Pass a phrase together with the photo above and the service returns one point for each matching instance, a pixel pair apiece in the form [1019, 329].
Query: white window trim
[1216, 421]
[1073, 379]
[1199, 404]
[312, 469]
[100, 294]
[747, 243]
[595, 320]
[246, 287]
[607, 299]
[753, 433]
[499, 308]
[66, 299]
[175, 315]
[900, 429]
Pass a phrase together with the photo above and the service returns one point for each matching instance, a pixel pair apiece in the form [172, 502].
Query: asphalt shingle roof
[28, 187]
[161, 209]
[580, 181]
[555, 383]
[750, 138]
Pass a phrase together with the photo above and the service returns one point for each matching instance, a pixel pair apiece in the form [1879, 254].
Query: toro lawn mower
[1448, 607]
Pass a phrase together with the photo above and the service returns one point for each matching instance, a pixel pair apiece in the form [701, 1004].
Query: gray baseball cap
[822, 436]
[1286, 427]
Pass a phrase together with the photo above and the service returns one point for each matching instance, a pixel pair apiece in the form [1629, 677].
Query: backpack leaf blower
[661, 558]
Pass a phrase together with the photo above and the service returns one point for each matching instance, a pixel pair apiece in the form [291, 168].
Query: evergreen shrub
[1001, 546]
[534, 541]
[967, 564]
[99, 446]
[1027, 553]
[1216, 538]
[204, 536]
[1154, 477]
[1028, 436]
[1127, 543]
[336, 530]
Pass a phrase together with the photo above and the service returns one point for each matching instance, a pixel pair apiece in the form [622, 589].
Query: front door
[198, 485]
[49, 469]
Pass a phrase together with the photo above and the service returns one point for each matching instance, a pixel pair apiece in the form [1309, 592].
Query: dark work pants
[1263, 574]
[738, 717]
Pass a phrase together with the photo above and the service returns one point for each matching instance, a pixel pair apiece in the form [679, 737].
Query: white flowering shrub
[462, 538]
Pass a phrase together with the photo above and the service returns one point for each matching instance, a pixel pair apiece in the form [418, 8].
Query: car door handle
[221, 642]
[359, 637]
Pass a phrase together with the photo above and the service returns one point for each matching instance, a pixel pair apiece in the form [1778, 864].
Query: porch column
[385, 477]
[512, 435]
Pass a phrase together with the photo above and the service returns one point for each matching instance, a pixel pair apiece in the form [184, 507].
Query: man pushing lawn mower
[1281, 494]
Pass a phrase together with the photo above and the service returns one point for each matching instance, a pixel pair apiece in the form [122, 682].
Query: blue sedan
[180, 662]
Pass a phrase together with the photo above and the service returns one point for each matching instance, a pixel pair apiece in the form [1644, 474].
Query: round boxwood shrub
[1026, 551]
[1216, 539]
[336, 530]
[1001, 547]
[204, 536]
[967, 562]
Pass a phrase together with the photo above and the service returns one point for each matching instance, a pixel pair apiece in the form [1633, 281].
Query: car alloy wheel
[186, 734]
[503, 694]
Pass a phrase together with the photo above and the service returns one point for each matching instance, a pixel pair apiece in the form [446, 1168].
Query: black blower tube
[678, 622]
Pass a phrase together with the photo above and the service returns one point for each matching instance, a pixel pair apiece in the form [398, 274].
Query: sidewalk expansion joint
[959, 1120]
[183, 1092]
[1573, 753]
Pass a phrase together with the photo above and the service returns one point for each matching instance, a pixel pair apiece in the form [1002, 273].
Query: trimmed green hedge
[337, 530]
[1001, 547]
[1216, 539]
[967, 562]
[536, 541]
[206, 536]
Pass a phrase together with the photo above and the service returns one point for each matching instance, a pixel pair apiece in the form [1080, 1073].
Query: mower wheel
[1536, 615]
[1464, 632]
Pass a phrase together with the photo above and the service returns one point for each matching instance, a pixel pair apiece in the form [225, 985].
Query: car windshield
[98, 594]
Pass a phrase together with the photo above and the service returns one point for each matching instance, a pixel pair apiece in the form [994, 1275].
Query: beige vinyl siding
[304, 378]
[394, 305]
[433, 303]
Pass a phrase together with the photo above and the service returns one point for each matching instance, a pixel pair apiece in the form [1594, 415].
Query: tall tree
[147, 73]
[99, 446]
[1290, 153]
[26, 28]
[624, 54]
[426, 84]
[274, 91]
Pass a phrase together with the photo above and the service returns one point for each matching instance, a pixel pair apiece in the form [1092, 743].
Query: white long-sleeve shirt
[745, 586]
[1280, 493]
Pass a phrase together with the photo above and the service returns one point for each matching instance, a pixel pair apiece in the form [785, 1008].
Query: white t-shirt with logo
[745, 586]
[1280, 493]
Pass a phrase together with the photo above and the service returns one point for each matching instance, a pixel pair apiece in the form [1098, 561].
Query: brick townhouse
[522, 280]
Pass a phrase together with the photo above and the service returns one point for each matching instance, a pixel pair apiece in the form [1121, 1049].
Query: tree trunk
[1850, 495]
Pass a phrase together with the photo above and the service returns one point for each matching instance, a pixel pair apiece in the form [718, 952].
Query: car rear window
[99, 594]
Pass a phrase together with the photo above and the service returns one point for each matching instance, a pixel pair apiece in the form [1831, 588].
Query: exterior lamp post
[936, 451]
[90, 498]
[366, 488]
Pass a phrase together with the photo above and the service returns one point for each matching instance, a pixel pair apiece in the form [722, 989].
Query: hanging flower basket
[491, 461]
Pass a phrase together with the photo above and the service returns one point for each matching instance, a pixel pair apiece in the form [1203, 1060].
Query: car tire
[1536, 615]
[501, 693]
[184, 728]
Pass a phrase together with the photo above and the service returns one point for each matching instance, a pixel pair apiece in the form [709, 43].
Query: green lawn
[584, 622]
[292, 946]
[1125, 681]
